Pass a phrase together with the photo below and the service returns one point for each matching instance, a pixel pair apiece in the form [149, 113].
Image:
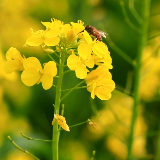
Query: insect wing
[103, 34]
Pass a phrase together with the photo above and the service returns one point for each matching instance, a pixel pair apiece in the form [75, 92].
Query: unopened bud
[71, 36]
[48, 51]
[71, 51]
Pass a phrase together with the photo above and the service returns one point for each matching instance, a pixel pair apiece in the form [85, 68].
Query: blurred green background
[29, 109]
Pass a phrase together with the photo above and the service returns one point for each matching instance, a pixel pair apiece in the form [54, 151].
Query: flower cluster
[82, 52]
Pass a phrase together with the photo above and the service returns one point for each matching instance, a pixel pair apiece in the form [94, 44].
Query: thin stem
[134, 12]
[66, 71]
[84, 122]
[56, 54]
[52, 59]
[142, 41]
[55, 137]
[153, 37]
[54, 86]
[72, 89]
[93, 106]
[119, 51]
[19, 148]
[154, 14]
[127, 18]
[29, 138]
[123, 91]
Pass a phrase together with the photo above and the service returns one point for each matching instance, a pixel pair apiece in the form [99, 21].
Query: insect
[95, 33]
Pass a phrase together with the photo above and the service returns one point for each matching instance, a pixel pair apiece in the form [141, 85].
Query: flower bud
[71, 36]
[48, 50]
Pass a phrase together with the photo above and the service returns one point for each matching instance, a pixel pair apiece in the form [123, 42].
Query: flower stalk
[55, 136]
[142, 41]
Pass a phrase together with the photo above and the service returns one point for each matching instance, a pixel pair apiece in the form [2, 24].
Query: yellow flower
[61, 121]
[74, 63]
[40, 37]
[98, 49]
[54, 23]
[100, 83]
[78, 27]
[14, 61]
[34, 73]
[79, 64]
[106, 60]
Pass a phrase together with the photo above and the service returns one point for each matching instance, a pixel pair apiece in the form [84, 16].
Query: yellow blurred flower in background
[150, 81]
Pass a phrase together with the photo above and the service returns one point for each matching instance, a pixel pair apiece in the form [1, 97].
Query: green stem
[52, 59]
[19, 148]
[134, 12]
[29, 138]
[153, 37]
[84, 122]
[55, 137]
[119, 51]
[72, 90]
[142, 41]
[127, 18]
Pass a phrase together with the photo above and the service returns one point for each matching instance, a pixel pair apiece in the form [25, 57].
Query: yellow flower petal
[33, 71]
[73, 61]
[84, 50]
[32, 63]
[78, 27]
[61, 121]
[87, 37]
[81, 71]
[89, 62]
[51, 41]
[103, 96]
[13, 54]
[100, 83]
[54, 23]
[50, 70]
[30, 77]
[36, 39]
[99, 49]
[14, 61]
[97, 74]
[106, 60]
[54, 32]
[47, 81]
[11, 66]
